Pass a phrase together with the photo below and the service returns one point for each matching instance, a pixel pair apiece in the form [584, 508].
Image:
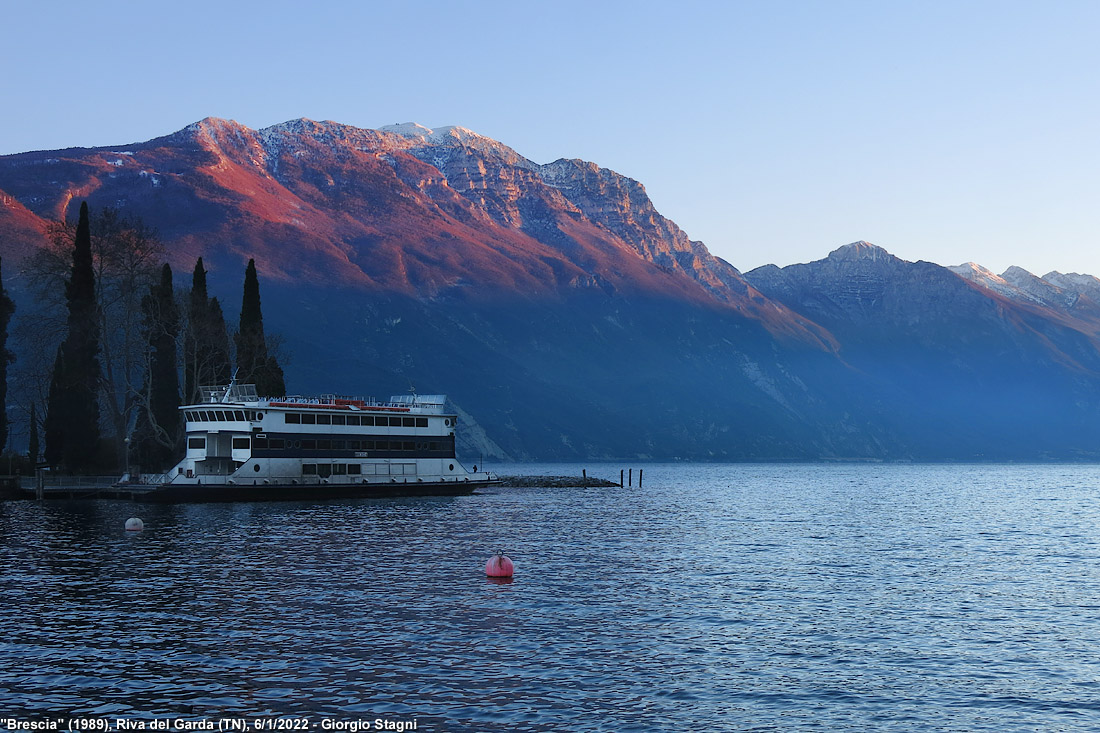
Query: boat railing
[58, 480]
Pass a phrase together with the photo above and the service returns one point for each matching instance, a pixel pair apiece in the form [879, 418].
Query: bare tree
[126, 256]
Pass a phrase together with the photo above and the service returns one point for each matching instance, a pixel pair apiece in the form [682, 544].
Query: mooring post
[630, 477]
[584, 477]
[640, 477]
[620, 478]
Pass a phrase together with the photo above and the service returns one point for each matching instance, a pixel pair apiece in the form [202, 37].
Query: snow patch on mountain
[1086, 285]
[985, 277]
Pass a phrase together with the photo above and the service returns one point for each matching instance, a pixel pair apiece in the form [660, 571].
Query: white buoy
[133, 524]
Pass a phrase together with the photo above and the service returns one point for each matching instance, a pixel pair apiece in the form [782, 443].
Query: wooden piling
[620, 478]
[640, 477]
[584, 477]
[630, 477]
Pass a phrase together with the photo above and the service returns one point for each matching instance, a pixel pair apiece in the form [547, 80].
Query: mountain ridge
[568, 318]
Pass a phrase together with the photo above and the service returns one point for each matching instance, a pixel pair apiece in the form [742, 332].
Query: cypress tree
[80, 368]
[196, 322]
[254, 364]
[206, 344]
[32, 449]
[159, 420]
[7, 307]
[219, 363]
[55, 413]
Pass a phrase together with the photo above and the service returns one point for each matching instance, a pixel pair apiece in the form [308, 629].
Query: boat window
[421, 422]
[309, 445]
[196, 442]
[353, 419]
[277, 444]
[433, 445]
[408, 445]
[408, 422]
[337, 419]
[241, 443]
[309, 419]
[219, 415]
[339, 469]
[324, 419]
[292, 418]
[339, 444]
[353, 445]
[324, 470]
[367, 419]
[259, 443]
[354, 469]
[324, 444]
[238, 414]
[309, 469]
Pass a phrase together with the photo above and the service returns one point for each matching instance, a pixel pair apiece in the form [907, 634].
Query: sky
[774, 131]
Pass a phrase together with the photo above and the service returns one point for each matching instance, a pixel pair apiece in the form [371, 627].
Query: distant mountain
[1073, 296]
[566, 317]
[995, 366]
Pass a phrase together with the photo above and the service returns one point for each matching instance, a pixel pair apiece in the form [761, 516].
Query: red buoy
[499, 566]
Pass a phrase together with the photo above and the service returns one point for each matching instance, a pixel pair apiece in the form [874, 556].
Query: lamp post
[127, 442]
[11, 451]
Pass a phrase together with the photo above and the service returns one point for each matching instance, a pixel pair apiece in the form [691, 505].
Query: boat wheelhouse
[241, 446]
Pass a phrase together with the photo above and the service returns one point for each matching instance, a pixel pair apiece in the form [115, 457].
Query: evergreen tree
[220, 364]
[254, 364]
[55, 413]
[206, 344]
[193, 342]
[32, 449]
[7, 307]
[158, 426]
[80, 373]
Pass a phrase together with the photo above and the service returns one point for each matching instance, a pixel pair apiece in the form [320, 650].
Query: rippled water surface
[715, 598]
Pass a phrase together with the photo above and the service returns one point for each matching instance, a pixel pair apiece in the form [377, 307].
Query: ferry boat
[241, 447]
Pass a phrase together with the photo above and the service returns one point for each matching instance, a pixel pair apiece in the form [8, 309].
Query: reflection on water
[719, 597]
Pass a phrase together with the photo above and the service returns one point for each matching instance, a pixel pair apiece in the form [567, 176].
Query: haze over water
[715, 598]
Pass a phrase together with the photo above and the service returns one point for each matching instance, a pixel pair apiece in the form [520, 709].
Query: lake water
[717, 597]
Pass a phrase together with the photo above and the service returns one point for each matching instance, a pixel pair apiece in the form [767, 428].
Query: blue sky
[772, 131]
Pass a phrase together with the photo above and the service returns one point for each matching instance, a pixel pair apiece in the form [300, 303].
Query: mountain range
[568, 319]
